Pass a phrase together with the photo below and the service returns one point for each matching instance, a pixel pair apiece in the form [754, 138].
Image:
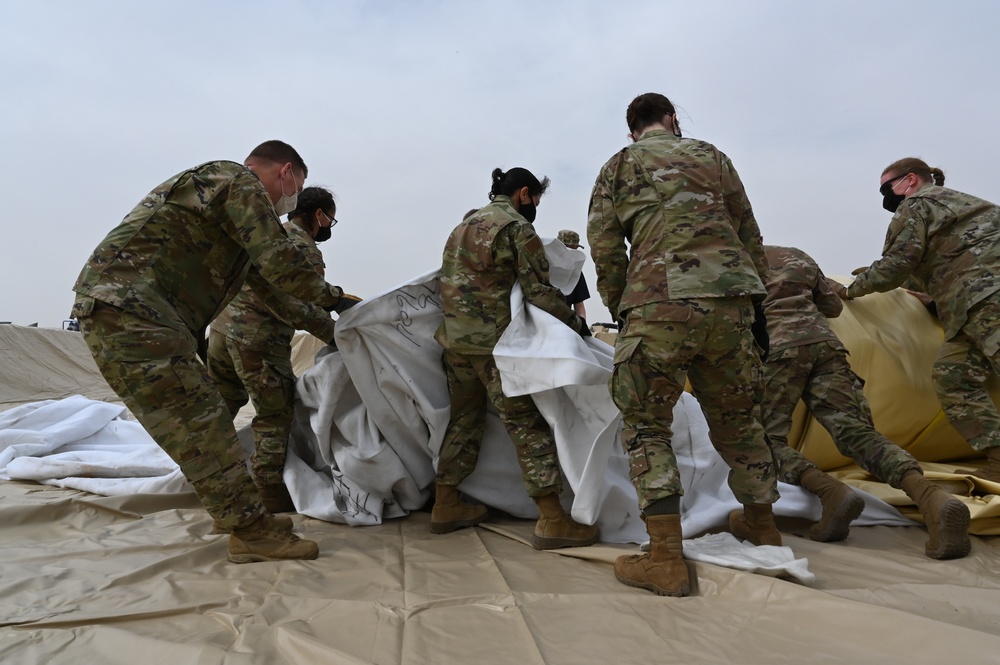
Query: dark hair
[647, 109]
[916, 166]
[279, 152]
[505, 184]
[312, 199]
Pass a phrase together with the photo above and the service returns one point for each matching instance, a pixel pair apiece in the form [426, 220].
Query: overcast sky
[403, 109]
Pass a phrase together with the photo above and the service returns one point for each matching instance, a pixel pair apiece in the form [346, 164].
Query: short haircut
[279, 152]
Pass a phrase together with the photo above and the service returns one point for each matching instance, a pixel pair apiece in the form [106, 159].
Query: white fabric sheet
[85, 445]
[370, 420]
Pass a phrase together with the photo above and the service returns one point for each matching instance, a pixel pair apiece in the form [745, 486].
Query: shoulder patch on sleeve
[534, 244]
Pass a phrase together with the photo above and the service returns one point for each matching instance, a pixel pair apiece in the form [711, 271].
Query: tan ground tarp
[127, 580]
[41, 363]
[108, 580]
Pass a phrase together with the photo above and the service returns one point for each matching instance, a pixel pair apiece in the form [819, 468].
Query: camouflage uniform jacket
[681, 207]
[184, 251]
[261, 316]
[799, 300]
[944, 243]
[483, 258]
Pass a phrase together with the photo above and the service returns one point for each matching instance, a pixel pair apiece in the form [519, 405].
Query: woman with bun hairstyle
[494, 248]
[947, 244]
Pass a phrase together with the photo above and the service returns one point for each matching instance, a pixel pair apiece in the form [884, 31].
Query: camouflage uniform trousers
[962, 367]
[709, 340]
[820, 376]
[158, 375]
[472, 380]
[244, 373]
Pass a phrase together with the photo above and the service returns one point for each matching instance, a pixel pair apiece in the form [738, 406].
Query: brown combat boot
[264, 541]
[756, 524]
[555, 529]
[661, 570]
[841, 505]
[946, 517]
[280, 522]
[276, 498]
[992, 469]
[450, 512]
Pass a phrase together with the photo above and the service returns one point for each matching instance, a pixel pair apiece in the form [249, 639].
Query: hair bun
[498, 174]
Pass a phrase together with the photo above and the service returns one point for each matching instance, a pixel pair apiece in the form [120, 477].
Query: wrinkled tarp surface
[87, 578]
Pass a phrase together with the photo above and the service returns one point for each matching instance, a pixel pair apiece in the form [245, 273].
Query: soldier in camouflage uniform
[684, 296]
[250, 353]
[493, 249]
[808, 362]
[947, 244]
[581, 293]
[150, 290]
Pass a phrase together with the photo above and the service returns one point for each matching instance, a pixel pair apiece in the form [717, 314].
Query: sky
[403, 108]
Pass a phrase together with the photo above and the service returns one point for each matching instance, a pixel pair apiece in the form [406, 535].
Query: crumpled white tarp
[85, 445]
[723, 549]
[370, 420]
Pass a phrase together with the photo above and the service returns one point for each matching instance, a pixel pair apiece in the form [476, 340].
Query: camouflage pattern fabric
[819, 375]
[799, 300]
[569, 238]
[947, 244]
[152, 287]
[709, 340]
[244, 372]
[264, 317]
[961, 370]
[684, 291]
[249, 357]
[472, 380]
[156, 372]
[484, 257]
[944, 243]
[183, 252]
[680, 205]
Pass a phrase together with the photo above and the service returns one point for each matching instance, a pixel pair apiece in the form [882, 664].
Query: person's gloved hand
[841, 291]
[584, 329]
[759, 330]
[346, 302]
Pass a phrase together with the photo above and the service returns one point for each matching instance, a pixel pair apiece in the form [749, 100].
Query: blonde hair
[916, 166]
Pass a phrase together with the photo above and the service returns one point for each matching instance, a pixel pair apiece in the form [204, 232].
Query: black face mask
[528, 211]
[890, 200]
[323, 234]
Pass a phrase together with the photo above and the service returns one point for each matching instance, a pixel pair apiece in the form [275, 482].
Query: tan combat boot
[992, 469]
[280, 522]
[555, 529]
[661, 570]
[450, 512]
[756, 524]
[841, 505]
[275, 498]
[946, 517]
[264, 541]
